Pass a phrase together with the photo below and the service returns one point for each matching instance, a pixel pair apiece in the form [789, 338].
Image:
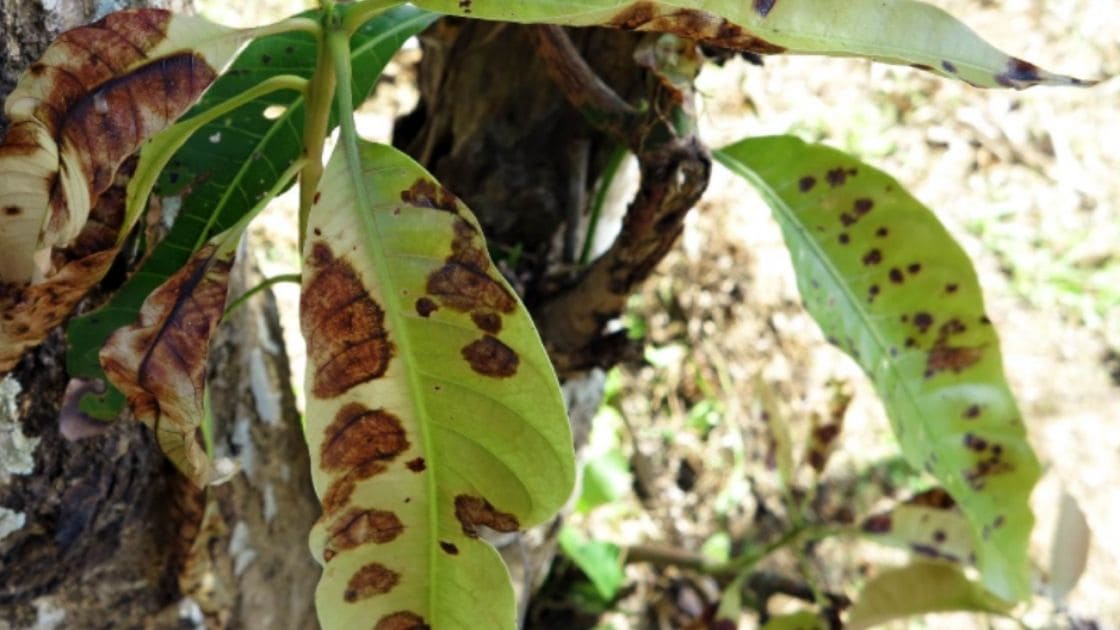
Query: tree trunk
[102, 532]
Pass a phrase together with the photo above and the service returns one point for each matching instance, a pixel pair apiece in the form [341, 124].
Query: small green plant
[433, 411]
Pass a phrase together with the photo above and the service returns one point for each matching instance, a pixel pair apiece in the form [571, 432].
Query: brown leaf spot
[425, 307]
[475, 512]
[345, 330]
[449, 548]
[896, 275]
[955, 358]
[12, 211]
[923, 321]
[872, 257]
[425, 193]
[951, 288]
[1019, 74]
[914, 268]
[882, 232]
[878, 524]
[357, 527]
[836, 177]
[633, 16]
[372, 579]
[490, 357]
[863, 205]
[763, 7]
[487, 322]
[339, 492]
[972, 412]
[416, 465]
[359, 435]
[844, 238]
[805, 184]
[949, 67]
[402, 620]
[936, 498]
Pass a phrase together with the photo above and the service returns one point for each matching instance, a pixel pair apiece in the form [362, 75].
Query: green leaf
[227, 166]
[432, 409]
[929, 524]
[918, 589]
[890, 286]
[899, 31]
[605, 479]
[601, 562]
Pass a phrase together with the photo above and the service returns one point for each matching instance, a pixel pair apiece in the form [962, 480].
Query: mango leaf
[929, 524]
[890, 286]
[89, 102]
[898, 31]
[433, 412]
[226, 167]
[601, 562]
[160, 361]
[800, 620]
[918, 589]
[779, 445]
[28, 313]
[823, 432]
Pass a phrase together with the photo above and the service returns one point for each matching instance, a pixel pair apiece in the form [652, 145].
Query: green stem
[357, 14]
[157, 155]
[320, 97]
[264, 284]
[290, 25]
[338, 47]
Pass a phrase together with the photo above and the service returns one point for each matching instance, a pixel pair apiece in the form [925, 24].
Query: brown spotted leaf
[76, 114]
[903, 32]
[160, 361]
[929, 524]
[433, 414]
[890, 286]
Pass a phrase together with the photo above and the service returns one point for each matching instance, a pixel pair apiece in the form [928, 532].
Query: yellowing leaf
[918, 589]
[433, 412]
[93, 97]
[896, 31]
[160, 361]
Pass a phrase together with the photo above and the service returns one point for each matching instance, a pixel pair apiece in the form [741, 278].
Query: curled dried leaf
[89, 102]
[160, 361]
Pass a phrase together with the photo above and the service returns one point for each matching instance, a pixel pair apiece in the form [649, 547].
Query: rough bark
[102, 532]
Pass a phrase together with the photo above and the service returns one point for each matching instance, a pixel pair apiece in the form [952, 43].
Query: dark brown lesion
[694, 24]
[490, 357]
[358, 527]
[425, 193]
[474, 512]
[359, 435]
[402, 620]
[370, 580]
[347, 342]
[339, 492]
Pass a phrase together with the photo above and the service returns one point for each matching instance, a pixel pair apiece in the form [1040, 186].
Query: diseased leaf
[433, 412]
[160, 361]
[897, 31]
[1069, 552]
[29, 312]
[891, 287]
[918, 589]
[779, 445]
[824, 432]
[929, 524]
[89, 102]
[226, 167]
